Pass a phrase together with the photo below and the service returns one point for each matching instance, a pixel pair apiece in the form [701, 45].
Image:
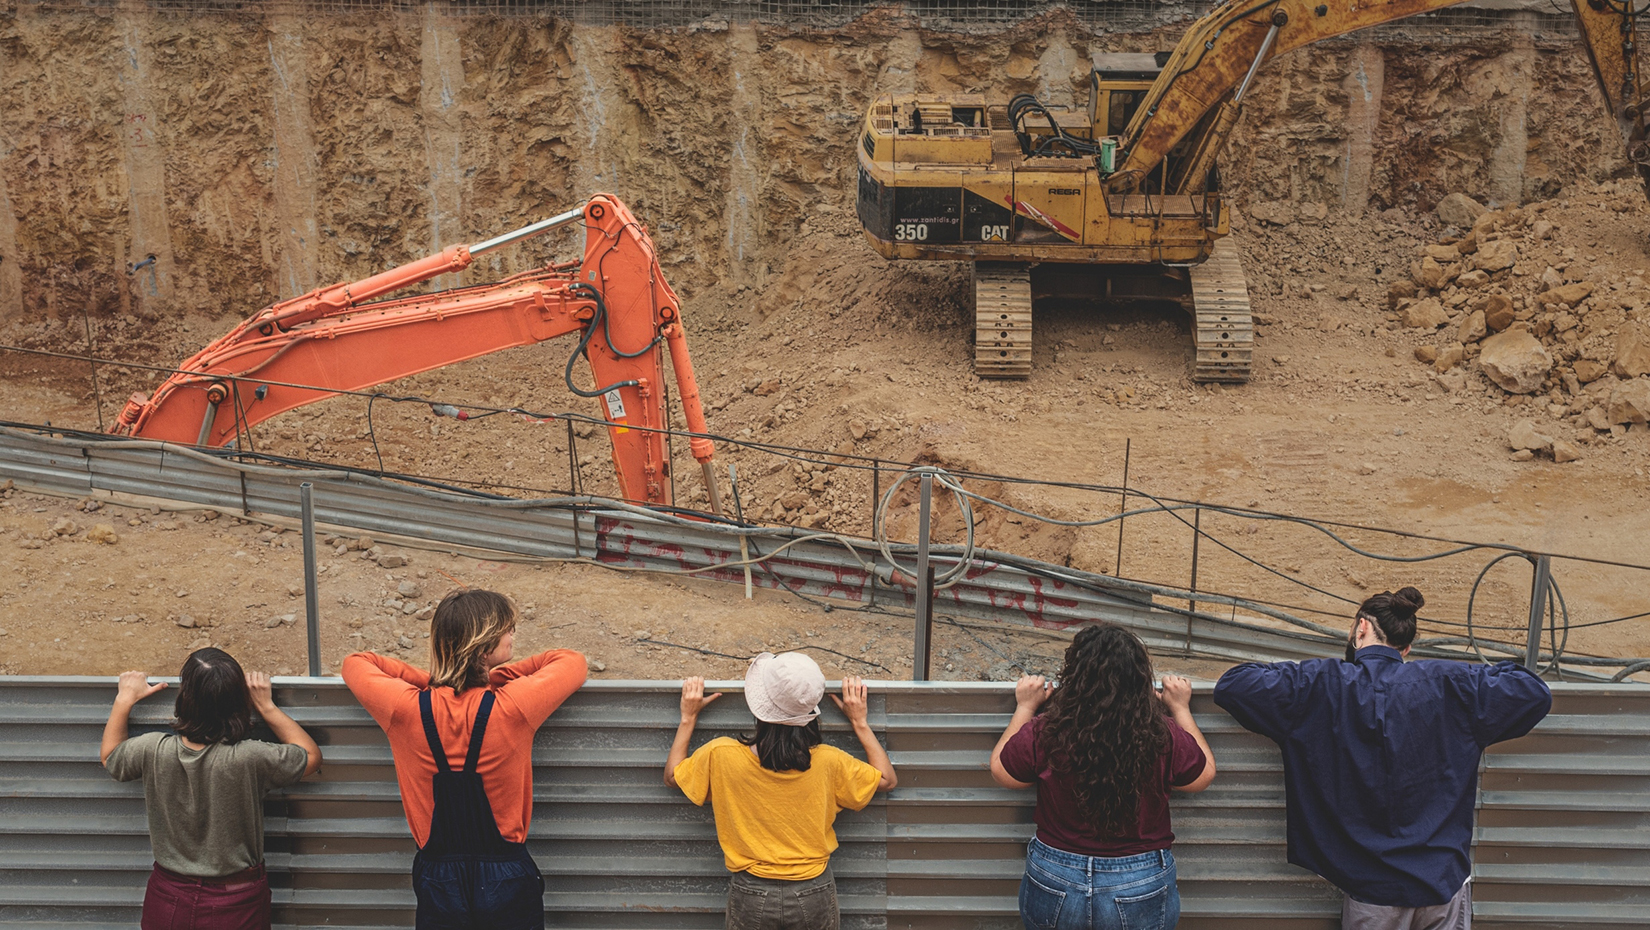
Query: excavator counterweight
[343, 338]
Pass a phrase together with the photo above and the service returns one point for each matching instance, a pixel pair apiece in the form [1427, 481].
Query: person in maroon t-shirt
[1103, 754]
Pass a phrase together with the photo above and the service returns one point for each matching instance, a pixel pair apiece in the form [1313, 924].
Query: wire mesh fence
[1100, 16]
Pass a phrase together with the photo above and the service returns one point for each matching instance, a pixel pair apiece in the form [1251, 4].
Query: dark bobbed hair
[1104, 728]
[781, 747]
[1394, 615]
[214, 704]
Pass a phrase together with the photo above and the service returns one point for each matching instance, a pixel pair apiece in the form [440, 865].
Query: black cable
[373, 434]
[725, 655]
[1162, 504]
[972, 635]
[869, 463]
[1023, 103]
[584, 341]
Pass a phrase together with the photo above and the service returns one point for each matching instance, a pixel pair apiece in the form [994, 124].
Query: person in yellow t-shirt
[776, 794]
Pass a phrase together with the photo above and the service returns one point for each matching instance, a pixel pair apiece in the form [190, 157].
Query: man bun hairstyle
[214, 704]
[1394, 615]
[468, 624]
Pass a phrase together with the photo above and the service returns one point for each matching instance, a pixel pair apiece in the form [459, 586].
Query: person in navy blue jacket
[1380, 762]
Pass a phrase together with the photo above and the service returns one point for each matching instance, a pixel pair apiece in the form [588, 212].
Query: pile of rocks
[1570, 349]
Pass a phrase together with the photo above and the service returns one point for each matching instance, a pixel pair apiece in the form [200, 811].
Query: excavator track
[1225, 335]
[1002, 320]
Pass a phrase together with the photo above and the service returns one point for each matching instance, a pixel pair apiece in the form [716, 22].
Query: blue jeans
[1068, 891]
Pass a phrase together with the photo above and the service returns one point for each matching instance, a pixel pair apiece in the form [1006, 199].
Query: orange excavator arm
[333, 340]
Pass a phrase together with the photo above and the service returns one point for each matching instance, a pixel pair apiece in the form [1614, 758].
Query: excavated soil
[730, 144]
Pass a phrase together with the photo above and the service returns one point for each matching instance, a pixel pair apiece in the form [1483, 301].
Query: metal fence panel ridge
[1561, 838]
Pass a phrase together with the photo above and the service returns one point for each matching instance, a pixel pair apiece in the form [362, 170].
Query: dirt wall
[256, 157]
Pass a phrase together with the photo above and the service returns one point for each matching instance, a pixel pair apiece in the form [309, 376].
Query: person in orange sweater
[462, 738]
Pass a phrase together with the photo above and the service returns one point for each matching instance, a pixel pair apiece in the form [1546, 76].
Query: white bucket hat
[784, 688]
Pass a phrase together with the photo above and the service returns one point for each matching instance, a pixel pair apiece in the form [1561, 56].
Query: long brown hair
[468, 624]
[1104, 728]
[214, 704]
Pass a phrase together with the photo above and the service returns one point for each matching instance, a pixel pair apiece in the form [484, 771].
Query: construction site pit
[1445, 247]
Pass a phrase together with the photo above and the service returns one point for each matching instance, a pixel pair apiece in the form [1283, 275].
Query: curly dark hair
[1104, 728]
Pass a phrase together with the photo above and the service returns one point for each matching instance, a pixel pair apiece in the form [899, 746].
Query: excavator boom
[312, 347]
[1196, 98]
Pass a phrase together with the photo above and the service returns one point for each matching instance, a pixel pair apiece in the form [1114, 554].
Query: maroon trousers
[178, 902]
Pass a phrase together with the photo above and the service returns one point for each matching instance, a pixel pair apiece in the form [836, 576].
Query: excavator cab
[1117, 84]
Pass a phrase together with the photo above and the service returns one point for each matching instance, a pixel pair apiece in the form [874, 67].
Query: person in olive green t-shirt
[203, 788]
[776, 794]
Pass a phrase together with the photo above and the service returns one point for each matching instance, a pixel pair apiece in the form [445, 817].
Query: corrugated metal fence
[1562, 839]
[1000, 587]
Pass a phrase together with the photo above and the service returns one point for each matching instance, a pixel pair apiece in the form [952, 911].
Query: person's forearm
[1022, 716]
[114, 732]
[288, 731]
[1184, 718]
[678, 748]
[875, 754]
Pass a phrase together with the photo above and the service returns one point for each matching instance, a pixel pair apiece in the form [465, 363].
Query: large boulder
[1630, 402]
[1515, 361]
[1460, 210]
[1632, 351]
[1425, 314]
[1496, 255]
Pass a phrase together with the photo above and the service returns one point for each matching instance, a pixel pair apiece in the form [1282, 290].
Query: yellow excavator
[1123, 202]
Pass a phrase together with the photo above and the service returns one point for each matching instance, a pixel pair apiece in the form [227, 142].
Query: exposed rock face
[1516, 361]
[1460, 210]
[1273, 212]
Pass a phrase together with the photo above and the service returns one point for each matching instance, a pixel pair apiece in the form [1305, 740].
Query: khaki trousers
[1456, 914]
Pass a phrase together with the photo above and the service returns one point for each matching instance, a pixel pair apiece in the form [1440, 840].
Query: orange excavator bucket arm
[333, 339]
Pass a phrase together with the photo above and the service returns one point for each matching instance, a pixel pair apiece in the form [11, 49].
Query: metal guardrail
[1562, 838]
[999, 588]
